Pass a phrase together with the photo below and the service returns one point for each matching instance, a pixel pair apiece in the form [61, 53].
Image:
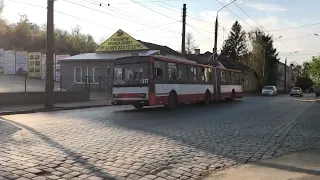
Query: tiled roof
[225, 61]
[163, 49]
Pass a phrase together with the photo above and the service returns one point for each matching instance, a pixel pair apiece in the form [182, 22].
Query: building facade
[94, 71]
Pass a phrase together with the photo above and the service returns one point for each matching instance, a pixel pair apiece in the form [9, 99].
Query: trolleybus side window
[208, 74]
[239, 78]
[223, 77]
[160, 66]
[236, 77]
[201, 71]
[172, 72]
[233, 77]
[228, 77]
[193, 73]
[183, 73]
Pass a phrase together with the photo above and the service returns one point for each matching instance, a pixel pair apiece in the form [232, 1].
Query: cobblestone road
[121, 143]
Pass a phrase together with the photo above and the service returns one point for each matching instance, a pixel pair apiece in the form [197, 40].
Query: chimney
[197, 51]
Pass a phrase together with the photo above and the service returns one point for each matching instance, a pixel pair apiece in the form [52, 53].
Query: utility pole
[264, 67]
[285, 71]
[215, 39]
[216, 32]
[285, 76]
[183, 44]
[49, 62]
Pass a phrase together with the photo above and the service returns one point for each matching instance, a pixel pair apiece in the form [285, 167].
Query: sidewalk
[32, 108]
[297, 166]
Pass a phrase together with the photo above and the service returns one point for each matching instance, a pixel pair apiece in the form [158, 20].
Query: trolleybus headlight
[115, 95]
[143, 95]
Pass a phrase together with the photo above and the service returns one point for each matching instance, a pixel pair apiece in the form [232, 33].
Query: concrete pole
[285, 76]
[215, 39]
[183, 44]
[49, 63]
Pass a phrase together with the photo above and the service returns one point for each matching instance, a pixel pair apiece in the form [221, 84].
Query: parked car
[317, 92]
[296, 91]
[269, 91]
[311, 90]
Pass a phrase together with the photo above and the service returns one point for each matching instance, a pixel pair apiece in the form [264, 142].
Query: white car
[269, 91]
[296, 91]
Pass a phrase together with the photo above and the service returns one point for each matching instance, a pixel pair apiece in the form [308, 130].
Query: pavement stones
[119, 143]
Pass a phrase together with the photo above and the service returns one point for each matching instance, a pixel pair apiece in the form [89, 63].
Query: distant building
[250, 77]
[290, 78]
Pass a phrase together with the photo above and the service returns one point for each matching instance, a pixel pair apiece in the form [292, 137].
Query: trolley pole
[49, 62]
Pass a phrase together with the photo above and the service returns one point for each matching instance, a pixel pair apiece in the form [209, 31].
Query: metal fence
[89, 83]
[99, 87]
[15, 83]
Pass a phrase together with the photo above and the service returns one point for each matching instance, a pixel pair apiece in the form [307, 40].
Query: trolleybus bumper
[129, 102]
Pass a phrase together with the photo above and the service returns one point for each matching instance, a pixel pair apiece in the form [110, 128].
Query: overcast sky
[159, 21]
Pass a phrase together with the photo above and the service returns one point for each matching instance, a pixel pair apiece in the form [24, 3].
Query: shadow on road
[182, 107]
[242, 133]
[77, 157]
[7, 130]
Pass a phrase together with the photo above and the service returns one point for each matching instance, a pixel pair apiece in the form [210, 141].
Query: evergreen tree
[264, 56]
[235, 46]
[271, 59]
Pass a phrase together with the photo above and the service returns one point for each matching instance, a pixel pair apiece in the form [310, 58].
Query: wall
[68, 79]
[20, 98]
[250, 82]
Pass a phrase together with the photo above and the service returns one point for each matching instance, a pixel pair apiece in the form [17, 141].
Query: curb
[51, 109]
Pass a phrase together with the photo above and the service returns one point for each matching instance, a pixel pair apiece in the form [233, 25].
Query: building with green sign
[96, 69]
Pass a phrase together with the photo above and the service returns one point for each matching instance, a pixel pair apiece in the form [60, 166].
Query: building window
[90, 74]
[86, 74]
[96, 74]
[78, 74]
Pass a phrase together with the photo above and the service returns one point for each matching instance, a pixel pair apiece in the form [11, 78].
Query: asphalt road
[122, 143]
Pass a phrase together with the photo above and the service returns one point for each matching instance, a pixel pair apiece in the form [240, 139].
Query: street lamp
[285, 70]
[316, 34]
[216, 28]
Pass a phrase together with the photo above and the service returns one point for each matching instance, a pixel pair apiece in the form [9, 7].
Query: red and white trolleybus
[159, 80]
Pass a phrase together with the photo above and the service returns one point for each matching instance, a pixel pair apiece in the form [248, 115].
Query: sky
[159, 21]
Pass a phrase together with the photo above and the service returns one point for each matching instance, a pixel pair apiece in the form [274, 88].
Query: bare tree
[190, 43]
[1, 6]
